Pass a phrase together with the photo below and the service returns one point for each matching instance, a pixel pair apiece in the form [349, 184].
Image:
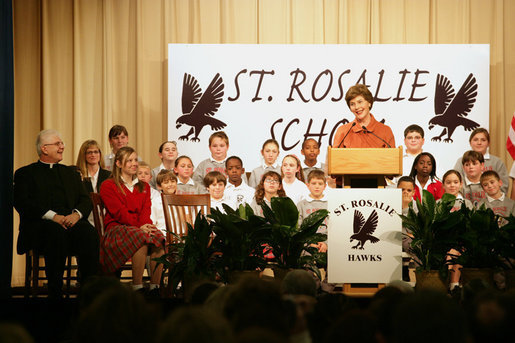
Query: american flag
[510, 142]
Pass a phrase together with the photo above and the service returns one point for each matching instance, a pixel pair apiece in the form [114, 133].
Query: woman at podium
[364, 131]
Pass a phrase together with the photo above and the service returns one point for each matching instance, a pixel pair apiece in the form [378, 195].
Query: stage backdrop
[294, 92]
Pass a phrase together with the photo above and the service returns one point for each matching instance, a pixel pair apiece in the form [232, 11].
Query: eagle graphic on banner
[199, 108]
[451, 110]
[363, 230]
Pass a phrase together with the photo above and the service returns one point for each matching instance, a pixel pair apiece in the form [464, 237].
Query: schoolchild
[293, 179]
[413, 143]
[310, 150]
[237, 192]
[166, 182]
[184, 170]
[496, 199]
[473, 162]
[316, 200]
[118, 138]
[168, 154]
[129, 232]
[452, 184]
[215, 183]
[144, 174]
[218, 146]
[270, 152]
[480, 141]
[423, 171]
[407, 186]
[269, 187]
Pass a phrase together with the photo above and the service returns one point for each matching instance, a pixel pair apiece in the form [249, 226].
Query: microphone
[353, 124]
[367, 131]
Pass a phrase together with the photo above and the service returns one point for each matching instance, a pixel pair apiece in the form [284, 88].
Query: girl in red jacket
[129, 232]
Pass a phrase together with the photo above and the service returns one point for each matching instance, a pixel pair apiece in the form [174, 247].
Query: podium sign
[364, 235]
[359, 161]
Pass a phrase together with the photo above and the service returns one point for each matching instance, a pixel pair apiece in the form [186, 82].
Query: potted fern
[239, 235]
[433, 229]
[190, 259]
[291, 243]
[480, 244]
[507, 251]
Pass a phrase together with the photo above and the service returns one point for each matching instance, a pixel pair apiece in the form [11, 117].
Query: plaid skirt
[121, 242]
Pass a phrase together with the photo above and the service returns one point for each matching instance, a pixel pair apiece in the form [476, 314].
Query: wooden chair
[179, 210]
[182, 209]
[98, 218]
[33, 268]
[98, 213]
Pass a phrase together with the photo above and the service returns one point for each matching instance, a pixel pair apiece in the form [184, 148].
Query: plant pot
[510, 278]
[430, 280]
[485, 274]
[235, 276]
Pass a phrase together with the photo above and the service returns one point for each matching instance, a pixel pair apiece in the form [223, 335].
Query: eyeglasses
[92, 152]
[57, 144]
[272, 182]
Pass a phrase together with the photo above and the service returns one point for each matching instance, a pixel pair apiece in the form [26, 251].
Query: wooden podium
[363, 168]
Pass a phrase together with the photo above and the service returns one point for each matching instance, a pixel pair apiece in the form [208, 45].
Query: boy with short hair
[166, 182]
[215, 183]
[316, 200]
[473, 162]
[407, 185]
[495, 198]
[310, 150]
[144, 174]
[118, 138]
[413, 142]
[218, 146]
[237, 191]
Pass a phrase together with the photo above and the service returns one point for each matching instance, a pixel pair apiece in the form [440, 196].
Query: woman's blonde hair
[122, 155]
[81, 164]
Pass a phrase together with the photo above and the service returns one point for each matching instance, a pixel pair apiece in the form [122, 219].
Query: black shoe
[153, 293]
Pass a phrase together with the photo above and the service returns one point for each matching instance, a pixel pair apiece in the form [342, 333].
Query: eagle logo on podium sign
[199, 108]
[363, 230]
[451, 109]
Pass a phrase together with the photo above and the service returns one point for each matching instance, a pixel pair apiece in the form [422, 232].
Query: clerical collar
[50, 165]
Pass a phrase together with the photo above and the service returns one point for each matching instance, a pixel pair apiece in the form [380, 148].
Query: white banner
[293, 92]
[364, 236]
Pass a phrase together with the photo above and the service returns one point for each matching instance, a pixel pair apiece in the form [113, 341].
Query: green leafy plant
[479, 240]
[239, 236]
[433, 229]
[507, 247]
[190, 257]
[291, 243]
